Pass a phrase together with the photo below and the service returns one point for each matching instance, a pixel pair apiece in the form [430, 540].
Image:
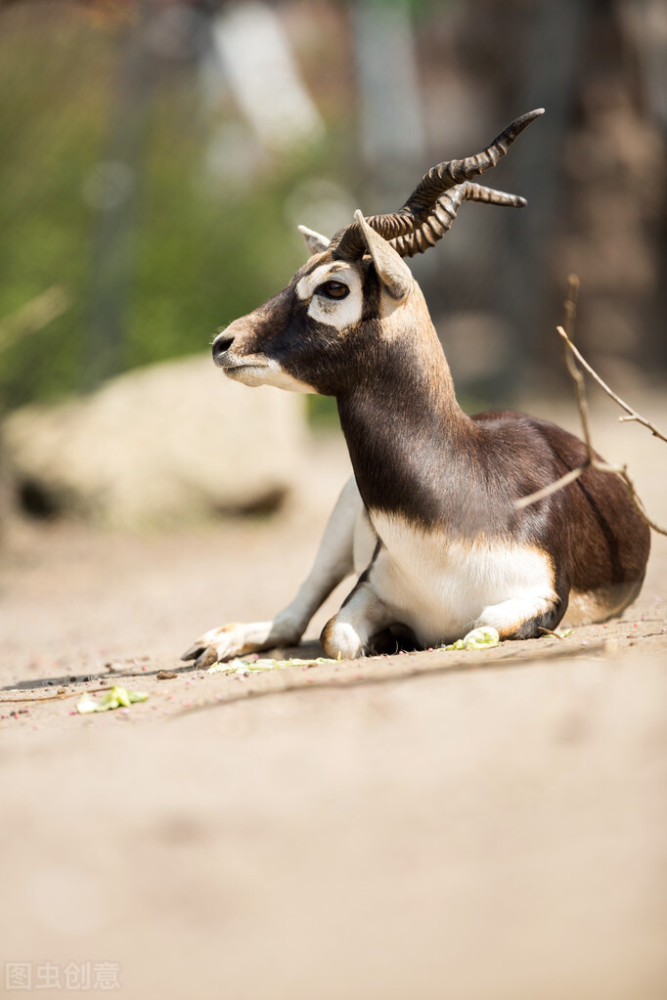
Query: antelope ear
[315, 242]
[391, 269]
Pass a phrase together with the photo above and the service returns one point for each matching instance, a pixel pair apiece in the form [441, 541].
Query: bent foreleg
[333, 562]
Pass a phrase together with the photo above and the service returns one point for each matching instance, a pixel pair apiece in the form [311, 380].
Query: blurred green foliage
[44, 223]
[201, 251]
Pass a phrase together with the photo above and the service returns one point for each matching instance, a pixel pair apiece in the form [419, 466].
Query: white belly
[440, 586]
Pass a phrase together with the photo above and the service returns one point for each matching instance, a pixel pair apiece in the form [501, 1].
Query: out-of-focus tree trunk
[163, 36]
[391, 135]
[553, 45]
[112, 191]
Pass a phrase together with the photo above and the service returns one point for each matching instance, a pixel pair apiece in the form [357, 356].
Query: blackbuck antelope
[429, 523]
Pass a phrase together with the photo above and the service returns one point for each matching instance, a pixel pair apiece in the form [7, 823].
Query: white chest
[439, 585]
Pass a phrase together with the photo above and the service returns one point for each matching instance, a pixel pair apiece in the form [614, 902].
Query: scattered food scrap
[117, 697]
[239, 666]
[480, 638]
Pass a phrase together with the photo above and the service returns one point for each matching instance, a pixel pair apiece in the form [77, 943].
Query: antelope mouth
[242, 366]
[264, 372]
[249, 372]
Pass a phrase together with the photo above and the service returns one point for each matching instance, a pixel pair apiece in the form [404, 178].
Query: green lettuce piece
[117, 697]
[86, 704]
[484, 637]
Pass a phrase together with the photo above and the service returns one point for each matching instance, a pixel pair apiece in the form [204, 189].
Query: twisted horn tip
[528, 117]
[511, 131]
[520, 123]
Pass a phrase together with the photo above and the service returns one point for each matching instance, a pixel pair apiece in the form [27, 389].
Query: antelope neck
[409, 441]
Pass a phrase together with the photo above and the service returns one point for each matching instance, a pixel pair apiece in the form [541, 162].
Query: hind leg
[350, 633]
[585, 608]
[523, 617]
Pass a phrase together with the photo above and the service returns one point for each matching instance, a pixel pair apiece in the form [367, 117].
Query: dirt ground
[451, 824]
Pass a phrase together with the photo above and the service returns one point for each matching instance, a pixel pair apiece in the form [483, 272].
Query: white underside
[441, 586]
[438, 586]
[267, 372]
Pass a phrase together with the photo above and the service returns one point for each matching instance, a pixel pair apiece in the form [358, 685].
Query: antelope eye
[333, 290]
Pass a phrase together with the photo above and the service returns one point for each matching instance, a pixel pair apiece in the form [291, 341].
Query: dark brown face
[300, 339]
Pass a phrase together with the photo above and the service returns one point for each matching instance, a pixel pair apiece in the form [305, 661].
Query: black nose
[220, 346]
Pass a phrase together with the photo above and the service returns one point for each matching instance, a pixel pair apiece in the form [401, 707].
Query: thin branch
[631, 414]
[33, 316]
[635, 500]
[546, 491]
[592, 462]
[53, 697]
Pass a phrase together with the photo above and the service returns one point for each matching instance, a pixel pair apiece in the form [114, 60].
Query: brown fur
[416, 454]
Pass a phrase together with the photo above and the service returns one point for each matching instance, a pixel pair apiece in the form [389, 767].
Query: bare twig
[53, 697]
[592, 461]
[549, 631]
[632, 415]
[546, 491]
[33, 316]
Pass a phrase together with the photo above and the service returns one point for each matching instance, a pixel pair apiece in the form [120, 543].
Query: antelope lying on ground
[429, 522]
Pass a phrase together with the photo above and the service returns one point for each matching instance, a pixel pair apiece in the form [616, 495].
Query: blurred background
[478, 833]
[157, 156]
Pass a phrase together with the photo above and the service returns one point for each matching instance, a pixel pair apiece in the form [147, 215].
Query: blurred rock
[171, 442]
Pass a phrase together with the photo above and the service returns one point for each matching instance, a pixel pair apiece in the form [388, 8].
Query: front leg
[334, 561]
[349, 633]
[238, 639]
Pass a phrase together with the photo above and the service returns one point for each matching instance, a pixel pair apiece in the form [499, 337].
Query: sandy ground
[450, 824]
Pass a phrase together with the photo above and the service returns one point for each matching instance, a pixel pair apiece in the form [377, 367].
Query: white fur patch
[441, 587]
[315, 242]
[267, 372]
[334, 560]
[348, 633]
[338, 313]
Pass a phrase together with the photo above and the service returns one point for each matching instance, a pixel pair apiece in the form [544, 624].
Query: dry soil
[470, 825]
